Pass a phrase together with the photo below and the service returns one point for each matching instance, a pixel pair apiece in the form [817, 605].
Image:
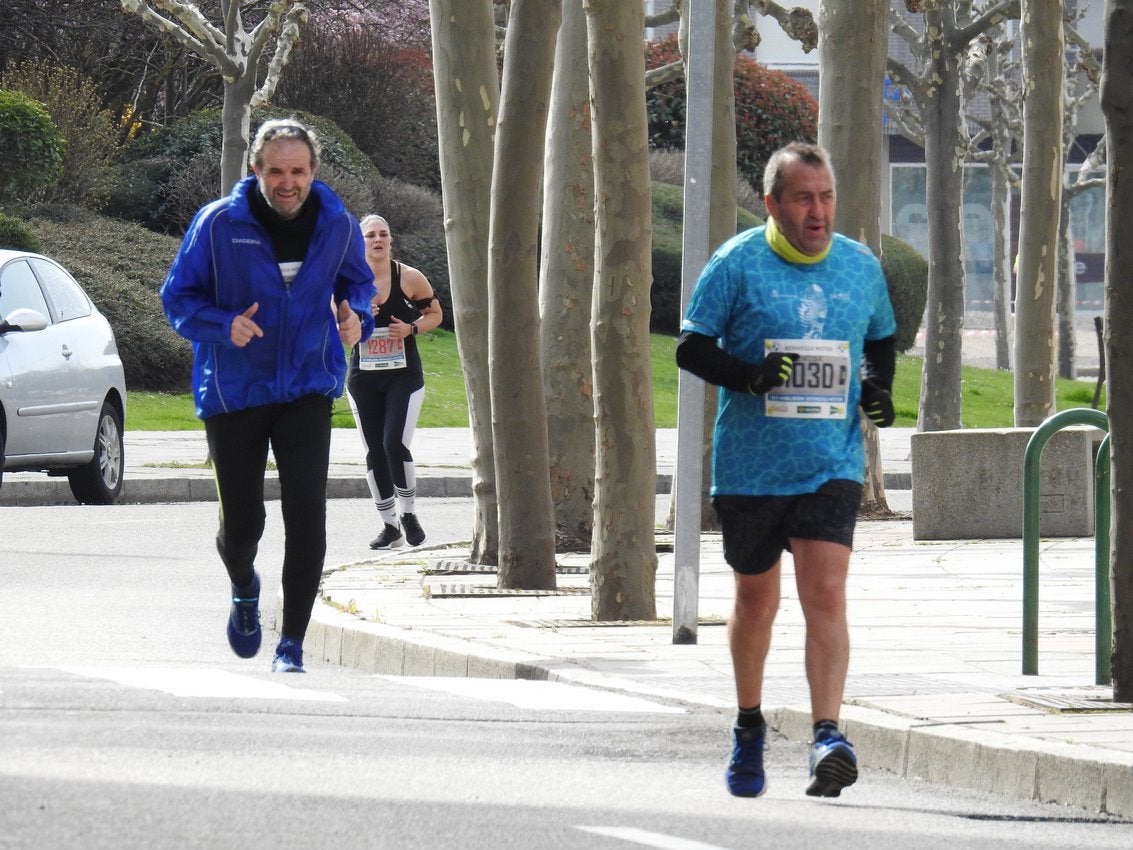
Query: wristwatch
[414, 324]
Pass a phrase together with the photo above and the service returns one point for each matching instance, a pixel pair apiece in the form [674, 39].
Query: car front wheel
[99, 482]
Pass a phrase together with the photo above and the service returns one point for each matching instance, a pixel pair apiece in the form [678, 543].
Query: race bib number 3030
[819, 386]
[381, 351]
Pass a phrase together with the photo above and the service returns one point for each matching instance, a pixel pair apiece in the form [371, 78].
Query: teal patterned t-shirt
[747, 297]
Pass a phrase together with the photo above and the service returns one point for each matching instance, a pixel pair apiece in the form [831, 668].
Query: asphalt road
[126, 722]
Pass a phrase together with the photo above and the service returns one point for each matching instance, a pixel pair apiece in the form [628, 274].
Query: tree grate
[665, 622]
[457, 591]
[1077, 702]
[462, 568]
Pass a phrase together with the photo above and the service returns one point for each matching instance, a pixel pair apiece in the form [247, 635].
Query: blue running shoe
[288, 656]
[833, 765]
[745, 771]
[244, 633]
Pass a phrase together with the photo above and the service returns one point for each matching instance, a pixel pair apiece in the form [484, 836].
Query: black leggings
[387, 418]
[299, 435]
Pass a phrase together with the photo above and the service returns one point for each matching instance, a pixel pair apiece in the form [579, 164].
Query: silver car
[62, 390]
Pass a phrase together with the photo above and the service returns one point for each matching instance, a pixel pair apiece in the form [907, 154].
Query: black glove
[774, 371]
[877, 404]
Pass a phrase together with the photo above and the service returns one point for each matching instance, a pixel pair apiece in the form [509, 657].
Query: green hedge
[157, 169]
[122, 266]
[906, 273]
[16, 235]
[32, 146]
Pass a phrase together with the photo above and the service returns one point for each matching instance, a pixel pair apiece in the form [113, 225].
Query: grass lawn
[987, 393]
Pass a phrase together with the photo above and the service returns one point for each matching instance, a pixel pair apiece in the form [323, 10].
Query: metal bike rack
[1103, 615]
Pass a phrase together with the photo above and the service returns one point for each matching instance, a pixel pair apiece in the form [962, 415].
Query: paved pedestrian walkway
[935, 689]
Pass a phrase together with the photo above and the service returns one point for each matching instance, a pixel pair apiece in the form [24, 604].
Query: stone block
[968, 484]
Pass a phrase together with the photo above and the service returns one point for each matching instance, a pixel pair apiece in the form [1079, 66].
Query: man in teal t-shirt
[793, 322]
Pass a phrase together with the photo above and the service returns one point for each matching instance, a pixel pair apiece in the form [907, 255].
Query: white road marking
[189, 682]
[528, 693]
[649, 839]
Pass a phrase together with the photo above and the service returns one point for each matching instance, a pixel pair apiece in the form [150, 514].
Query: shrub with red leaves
[771, 110]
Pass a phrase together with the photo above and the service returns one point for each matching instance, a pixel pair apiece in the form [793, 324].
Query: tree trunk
[623, 556]
[945, 143]
[722, 216]
[519, 411]
[566, 287]
[467, 92]
[1117, 105]
[1044, 94]
[852, 46]
[235, 123]
[1067, 289]
[1001, 263]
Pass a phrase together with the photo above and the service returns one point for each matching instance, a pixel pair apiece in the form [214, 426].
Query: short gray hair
[804, 152]
[284, 128]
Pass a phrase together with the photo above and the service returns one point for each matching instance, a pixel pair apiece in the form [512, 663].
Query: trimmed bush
[771, 110]
[416, 221]
[166, 176]
[122, 266]
[373, 84]
[88, 130]
[33, 148]
[667, 165]
[668, 231]
[16, 235]
[906, 273]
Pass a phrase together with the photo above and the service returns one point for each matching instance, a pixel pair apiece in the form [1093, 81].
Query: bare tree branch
[1005, 10]
[664, 74]
[194, 31]
[293, 22]
[798, 22]
[669, 16]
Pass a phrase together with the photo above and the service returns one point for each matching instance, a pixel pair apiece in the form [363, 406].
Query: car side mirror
[24, 319]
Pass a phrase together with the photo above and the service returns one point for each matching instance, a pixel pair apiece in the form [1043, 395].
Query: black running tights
[298, 433]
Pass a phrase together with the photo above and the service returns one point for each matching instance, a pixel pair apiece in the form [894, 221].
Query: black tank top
[397, 305]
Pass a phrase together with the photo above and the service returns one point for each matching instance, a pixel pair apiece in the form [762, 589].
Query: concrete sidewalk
[935, 689]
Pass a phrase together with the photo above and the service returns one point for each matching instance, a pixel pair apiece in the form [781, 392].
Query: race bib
[819, 386]
[381, 351]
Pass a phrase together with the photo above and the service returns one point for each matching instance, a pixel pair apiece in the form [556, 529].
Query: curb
[949, 754]
[140, 491]
[979, 759]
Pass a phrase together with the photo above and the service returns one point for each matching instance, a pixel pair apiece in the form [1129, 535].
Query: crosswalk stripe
[534, 694]
[190, 682]
[649, 839]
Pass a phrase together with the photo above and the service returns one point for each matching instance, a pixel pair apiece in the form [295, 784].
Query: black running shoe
[833, 766]
[414, 534]
[390, 538]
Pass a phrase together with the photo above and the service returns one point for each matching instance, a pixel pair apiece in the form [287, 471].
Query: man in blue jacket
[269, 284]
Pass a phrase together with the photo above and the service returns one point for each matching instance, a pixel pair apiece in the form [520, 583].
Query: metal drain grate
[1076, 702]
[667, 622]
[455, 591]
[463, 568]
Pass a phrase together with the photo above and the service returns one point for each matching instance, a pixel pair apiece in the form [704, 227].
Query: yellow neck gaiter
[783, 247]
